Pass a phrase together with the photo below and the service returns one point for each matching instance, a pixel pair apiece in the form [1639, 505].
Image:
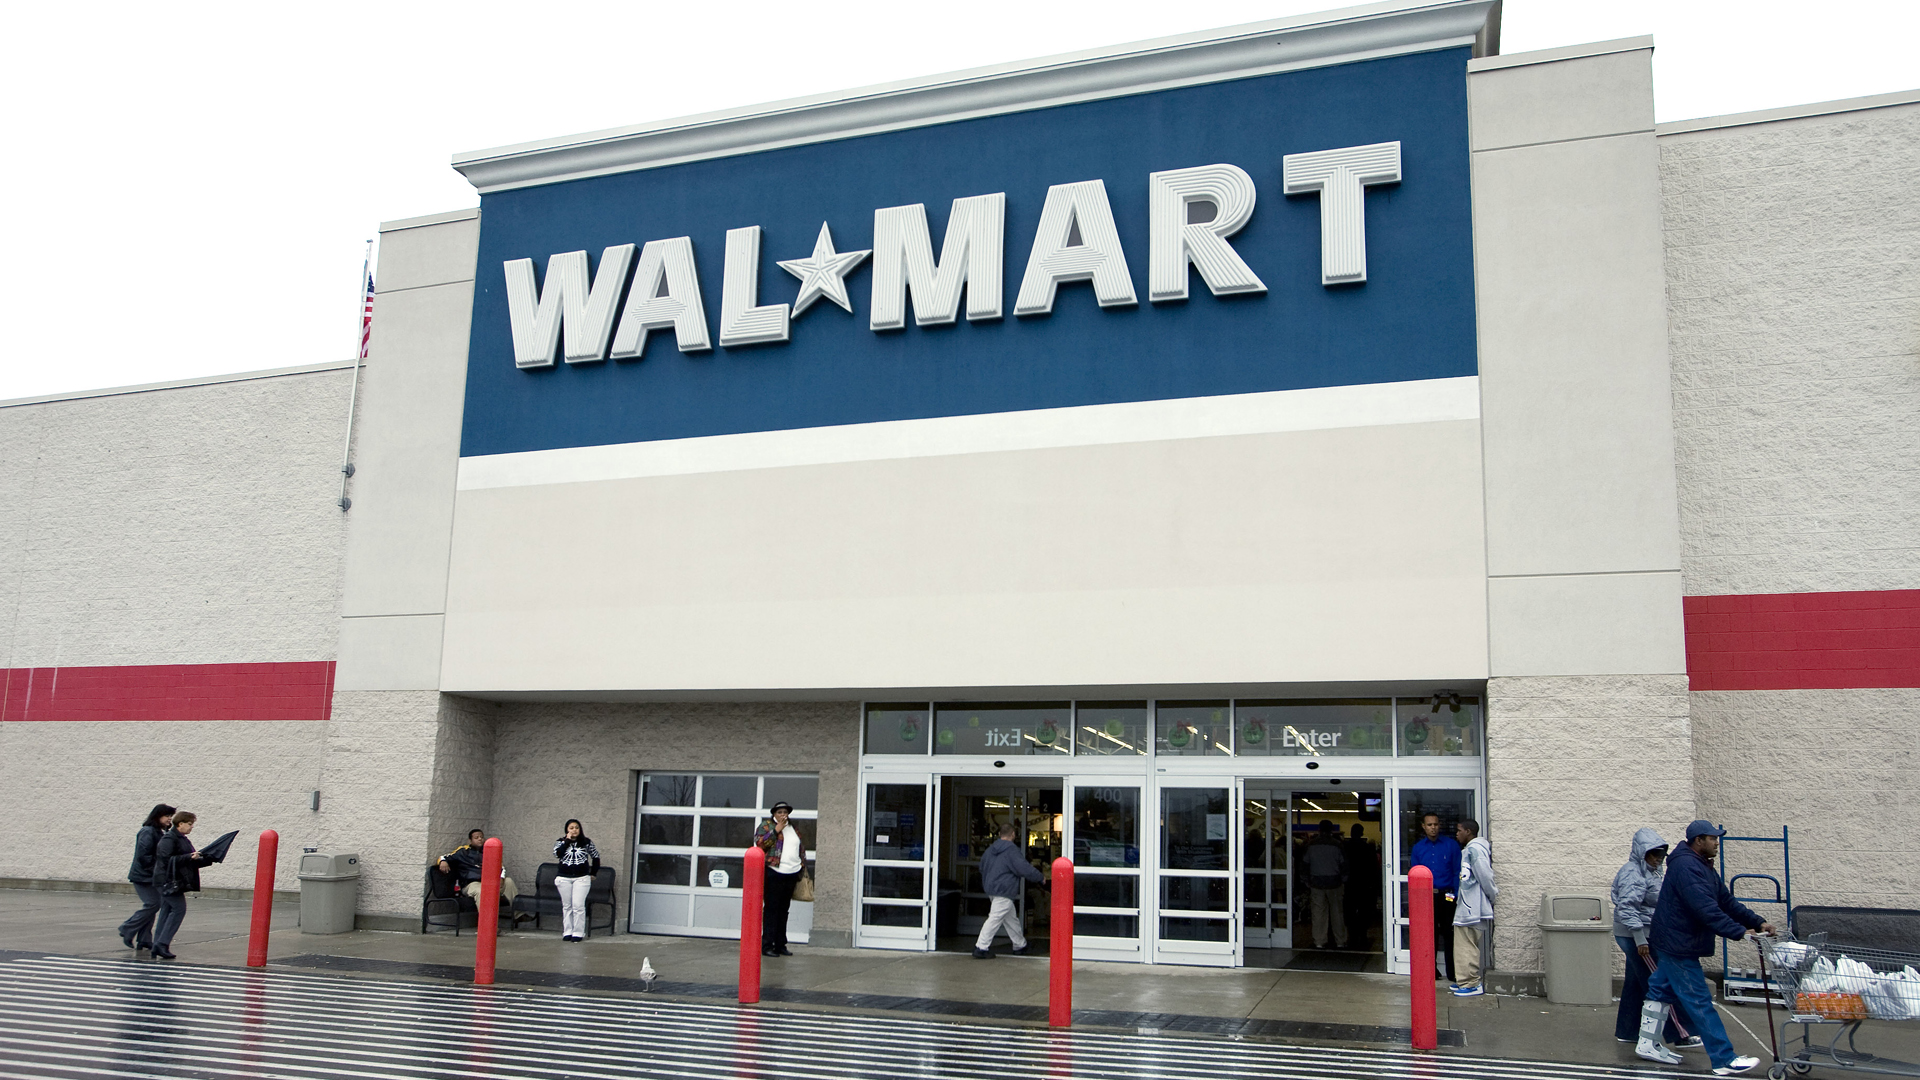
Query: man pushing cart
[1694, 908]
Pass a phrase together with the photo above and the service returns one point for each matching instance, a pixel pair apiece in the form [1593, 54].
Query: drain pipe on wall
[363, 330]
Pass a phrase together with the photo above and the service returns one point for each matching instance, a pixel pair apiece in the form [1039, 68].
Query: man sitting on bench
[464, 864]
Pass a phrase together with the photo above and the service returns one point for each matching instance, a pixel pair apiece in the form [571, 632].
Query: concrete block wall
[182, 525]
[554, 761]
[377, 792]
[1574, 766]
[1793, 257]
[77, 792]
[1836, 766]
[188, 523]
[1793, 261]
[463, 771]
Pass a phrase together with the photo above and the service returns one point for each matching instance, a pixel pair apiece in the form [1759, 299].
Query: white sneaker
[1654, 1051]
[1737, 1065]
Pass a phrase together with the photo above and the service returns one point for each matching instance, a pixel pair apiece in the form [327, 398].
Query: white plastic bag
[1854, 977]
[1790, 954]
[1906, 990]
[1820, 979]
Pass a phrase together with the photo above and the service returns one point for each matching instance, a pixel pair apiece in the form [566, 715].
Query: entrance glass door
[896, 863]
[1266, 913]
[1335, 850]
[1411, 805]
[1200, 842]
[1103, 832]
[973, 822]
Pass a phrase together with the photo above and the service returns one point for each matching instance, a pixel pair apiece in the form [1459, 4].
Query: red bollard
[487, 937]
[1426, 1023]
[752, 904]
[1060, 949]
[262, 898]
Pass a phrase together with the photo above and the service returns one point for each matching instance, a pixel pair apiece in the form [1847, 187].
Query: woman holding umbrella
[176, 872]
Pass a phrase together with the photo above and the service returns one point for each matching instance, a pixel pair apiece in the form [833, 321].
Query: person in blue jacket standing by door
[1694, 908]
[1440, 854]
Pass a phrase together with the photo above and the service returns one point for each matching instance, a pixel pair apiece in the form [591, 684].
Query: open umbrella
[217, 851]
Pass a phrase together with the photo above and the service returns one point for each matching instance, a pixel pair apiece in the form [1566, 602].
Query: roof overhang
[1261, 48]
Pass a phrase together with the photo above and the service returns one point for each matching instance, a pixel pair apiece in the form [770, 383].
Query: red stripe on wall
[1804, 641]
[295, 691]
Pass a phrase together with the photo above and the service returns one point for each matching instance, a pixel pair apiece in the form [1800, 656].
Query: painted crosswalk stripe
[87, 1018]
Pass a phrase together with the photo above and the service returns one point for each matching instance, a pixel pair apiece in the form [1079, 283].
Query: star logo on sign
[824, 274]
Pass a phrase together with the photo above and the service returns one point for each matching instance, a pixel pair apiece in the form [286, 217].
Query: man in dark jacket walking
[1001, 870]
[1694, 908]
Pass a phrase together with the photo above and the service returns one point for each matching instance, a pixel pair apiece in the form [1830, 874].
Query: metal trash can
[329, 889]
[1576, 933]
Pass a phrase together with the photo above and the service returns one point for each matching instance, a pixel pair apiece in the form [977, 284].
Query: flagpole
[360, 331]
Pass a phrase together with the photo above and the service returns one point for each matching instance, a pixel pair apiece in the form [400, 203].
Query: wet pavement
[63, 946]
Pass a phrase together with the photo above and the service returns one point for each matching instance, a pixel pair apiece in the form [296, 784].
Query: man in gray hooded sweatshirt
[1636, 890]
[1473, 911]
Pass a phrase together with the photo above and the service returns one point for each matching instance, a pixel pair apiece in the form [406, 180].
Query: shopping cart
[1840, 986]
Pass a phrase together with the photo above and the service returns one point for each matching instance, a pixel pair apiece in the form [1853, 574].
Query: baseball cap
[1703, 827]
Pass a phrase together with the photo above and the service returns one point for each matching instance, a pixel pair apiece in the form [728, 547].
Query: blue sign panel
[1412, 318]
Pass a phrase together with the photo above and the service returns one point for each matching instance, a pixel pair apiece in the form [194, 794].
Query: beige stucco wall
[1250, 558]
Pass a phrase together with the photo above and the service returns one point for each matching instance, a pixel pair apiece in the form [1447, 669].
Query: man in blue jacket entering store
[1694, 908]
[1001, 871]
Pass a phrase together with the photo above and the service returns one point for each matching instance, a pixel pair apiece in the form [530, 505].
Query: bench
[545, 901]
[1897, 929]
[444, 906]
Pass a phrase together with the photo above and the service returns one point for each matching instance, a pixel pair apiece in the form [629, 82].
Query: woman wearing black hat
[786, 860]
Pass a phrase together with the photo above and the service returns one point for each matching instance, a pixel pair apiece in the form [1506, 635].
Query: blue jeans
[1680, 982]
[1626, 1025]
[139, 925]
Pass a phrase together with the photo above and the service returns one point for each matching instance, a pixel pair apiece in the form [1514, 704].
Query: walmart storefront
[1164, 448]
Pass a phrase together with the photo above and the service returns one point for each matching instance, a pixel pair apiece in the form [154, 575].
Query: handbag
[803, 891]
[167, 883]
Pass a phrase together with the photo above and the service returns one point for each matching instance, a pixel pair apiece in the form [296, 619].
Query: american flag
[366, 319]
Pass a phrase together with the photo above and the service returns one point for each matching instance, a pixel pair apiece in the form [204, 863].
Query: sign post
[752, 893]
[263, 868]
[1426, 1024]
[1060, 948]
[486, 938]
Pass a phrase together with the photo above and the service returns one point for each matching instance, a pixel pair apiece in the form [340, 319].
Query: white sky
[191, 186]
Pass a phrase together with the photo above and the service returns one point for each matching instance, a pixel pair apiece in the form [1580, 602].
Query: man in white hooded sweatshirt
[1473, 907]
